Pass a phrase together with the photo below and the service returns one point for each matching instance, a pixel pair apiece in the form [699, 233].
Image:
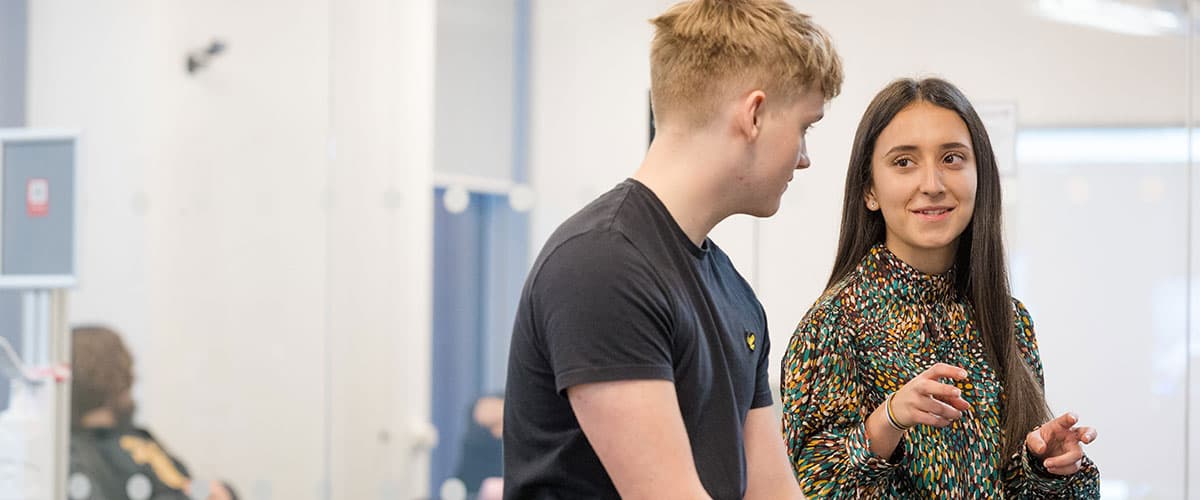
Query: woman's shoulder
[1021, 314]
[830, 309]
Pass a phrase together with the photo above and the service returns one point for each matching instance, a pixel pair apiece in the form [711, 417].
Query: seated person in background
[481, 455]
[117, 459]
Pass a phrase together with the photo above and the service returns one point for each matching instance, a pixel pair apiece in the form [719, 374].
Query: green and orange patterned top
[865, 338]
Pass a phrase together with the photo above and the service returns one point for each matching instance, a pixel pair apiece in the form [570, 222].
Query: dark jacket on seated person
[118, 462]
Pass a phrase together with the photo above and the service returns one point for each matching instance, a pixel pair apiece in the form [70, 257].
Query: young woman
[916, 374]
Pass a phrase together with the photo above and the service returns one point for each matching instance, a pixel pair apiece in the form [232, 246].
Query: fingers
[925, 400]
[931, 419]
[1036, 443]
[937, 389]
[939, 408]
[959, 404]
[1061, 444]
[947, 393]
[1058, 431]
[1066, 470]
[1070, 459]
[1086, 434]
[1065, 421]
[1061, 430]
[219, 491]
[1067, 462]
[943, 370]
[916, 406]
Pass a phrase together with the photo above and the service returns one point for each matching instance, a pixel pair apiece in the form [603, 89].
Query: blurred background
[310, 220]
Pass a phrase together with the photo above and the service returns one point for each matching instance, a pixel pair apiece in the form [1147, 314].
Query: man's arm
[768, 470]
[637, 430]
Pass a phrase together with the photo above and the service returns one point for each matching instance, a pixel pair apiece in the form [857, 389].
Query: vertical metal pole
[58, 343]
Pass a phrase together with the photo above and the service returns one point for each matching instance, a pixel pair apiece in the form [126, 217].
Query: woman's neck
[927, 260]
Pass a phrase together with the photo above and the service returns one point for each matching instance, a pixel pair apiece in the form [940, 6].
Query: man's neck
[687, 178]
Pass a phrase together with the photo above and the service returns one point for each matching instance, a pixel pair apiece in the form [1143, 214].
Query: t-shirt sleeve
[762, 383]
[602, 312]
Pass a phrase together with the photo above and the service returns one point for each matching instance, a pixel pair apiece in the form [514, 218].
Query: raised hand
[1059, 444]
[925, 400]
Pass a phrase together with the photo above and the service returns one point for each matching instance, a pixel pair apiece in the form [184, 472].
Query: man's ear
[748, 116]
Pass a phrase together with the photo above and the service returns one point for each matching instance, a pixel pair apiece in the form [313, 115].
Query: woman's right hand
[925, 400]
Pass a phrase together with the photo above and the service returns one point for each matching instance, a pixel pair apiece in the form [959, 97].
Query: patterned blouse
[866, 337]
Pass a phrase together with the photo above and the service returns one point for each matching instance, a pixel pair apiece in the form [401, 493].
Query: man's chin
[765, 211]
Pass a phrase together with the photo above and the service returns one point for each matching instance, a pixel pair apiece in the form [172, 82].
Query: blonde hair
[704, 49]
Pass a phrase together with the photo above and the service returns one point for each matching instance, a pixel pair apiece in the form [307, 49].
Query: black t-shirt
[113, 461]
[619, 292]
[110, 459]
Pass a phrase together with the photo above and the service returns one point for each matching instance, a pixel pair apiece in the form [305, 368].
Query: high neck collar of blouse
[882, 268]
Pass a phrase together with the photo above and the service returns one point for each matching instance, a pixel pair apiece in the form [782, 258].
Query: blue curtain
[480, 260]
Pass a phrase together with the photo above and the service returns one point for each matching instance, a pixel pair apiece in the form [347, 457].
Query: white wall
[1193, 338]
[380, 242]
[266, 287]
[1106, 287]
[590, 80]
[590, 88]
[184, 244]
[475, 77]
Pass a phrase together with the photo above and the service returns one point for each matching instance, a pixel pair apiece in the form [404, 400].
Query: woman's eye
[903, 162]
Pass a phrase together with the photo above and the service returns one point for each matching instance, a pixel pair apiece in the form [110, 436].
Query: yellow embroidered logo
[144, 452]
[751, 340]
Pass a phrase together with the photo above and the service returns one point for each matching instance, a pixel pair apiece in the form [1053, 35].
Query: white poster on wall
[1000, 120]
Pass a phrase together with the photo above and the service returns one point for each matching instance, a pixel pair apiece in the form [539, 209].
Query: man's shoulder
[604, 238]
[596, 254]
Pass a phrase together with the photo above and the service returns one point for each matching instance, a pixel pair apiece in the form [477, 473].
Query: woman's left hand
[1060, 444]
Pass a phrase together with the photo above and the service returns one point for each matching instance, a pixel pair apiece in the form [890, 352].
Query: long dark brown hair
[981, 273]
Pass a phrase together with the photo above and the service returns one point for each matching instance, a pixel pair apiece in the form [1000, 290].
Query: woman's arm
[824, 430]
[1056, 441]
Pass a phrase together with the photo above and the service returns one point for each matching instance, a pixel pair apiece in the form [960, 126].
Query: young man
[638, 365]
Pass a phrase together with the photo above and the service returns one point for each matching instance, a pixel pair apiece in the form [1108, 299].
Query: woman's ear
[869, 199]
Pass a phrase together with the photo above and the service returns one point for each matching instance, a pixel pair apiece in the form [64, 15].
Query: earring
[871, 205]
